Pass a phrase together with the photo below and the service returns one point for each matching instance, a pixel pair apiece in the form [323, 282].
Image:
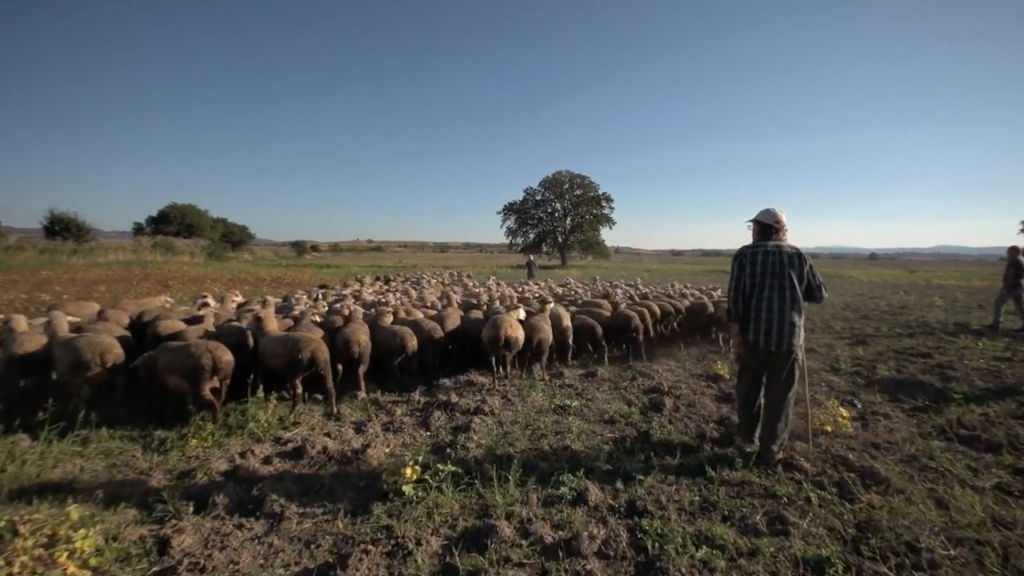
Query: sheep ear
[38, 321]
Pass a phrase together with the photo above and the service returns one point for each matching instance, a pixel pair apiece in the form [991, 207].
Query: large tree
[179, 220]
[563, 214]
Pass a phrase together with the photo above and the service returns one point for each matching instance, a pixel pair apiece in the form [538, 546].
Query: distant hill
[942, 249]
[945, 250]
[108, 235]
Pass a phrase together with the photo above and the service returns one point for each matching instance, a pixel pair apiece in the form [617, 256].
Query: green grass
[607, 470]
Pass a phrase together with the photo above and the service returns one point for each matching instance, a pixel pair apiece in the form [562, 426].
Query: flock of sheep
[401, 331]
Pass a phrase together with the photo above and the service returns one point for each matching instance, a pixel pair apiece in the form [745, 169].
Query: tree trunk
[564, 257]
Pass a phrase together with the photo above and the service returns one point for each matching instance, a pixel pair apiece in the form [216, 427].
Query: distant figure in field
[531, 268]
[770, 283]
[1012, 289]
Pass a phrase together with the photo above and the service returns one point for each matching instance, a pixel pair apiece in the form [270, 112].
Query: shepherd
[770, 282]
[1012, 288]
[531, 267]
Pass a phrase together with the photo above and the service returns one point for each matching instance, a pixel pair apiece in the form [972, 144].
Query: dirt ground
[601, 471]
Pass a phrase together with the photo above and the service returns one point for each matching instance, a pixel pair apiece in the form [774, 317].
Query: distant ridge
[941, 250]
[109, 235]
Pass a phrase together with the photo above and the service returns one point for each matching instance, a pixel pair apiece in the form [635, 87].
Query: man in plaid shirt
[771, 281]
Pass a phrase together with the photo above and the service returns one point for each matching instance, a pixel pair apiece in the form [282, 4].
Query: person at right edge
[770, 282]
[1012, 289]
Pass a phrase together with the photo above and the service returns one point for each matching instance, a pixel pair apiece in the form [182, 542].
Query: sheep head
[57, 324]
[18, 323]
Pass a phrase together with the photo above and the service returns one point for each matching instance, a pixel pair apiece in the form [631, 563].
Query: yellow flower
[411, 473]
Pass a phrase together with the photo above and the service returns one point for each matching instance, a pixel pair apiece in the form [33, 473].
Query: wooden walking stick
[807, 400]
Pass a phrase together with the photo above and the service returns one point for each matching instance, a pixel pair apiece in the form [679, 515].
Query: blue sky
[871, 123]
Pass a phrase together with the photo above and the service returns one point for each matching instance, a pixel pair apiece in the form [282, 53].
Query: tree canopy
[66, 226]
[179, 220]
[563, 214]
[1021, 228]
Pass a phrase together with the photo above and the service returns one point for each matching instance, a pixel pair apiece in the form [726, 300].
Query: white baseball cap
[770, 216]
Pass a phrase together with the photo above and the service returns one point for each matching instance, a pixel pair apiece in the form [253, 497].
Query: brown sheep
[588, 333]
[291, 356]
[85, 310]
[305, 324]
[191, 369]
[503, 338]
[537, 339]
[429, 346]
[624, 328]
[83, 363]
[116, 317]
[562, 331]
[450, 321]
[24, 368]
[598, 303]
[133, 307]
[122, 336]
[353, 346]
[394, 347]
[239, 340]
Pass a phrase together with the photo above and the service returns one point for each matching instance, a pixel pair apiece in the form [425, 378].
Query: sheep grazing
[394, 347]
[133, 307]
[352, 348]
[24, 367]
[430, 343]
[562, 332]
[84, 310]
[503, 337]
[587, 333]
[418, 328]
[192, 370]
[239, 341]
[290, 357]
[83, 363]
[624, 328]
[537, 339]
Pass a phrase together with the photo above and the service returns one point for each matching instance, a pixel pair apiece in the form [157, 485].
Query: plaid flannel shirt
[768, 287]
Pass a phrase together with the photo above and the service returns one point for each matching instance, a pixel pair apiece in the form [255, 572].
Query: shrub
[66, 226]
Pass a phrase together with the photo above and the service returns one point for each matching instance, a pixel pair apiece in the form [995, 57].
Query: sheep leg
[360, 376]
[568, 353]
[332, 394]
[527, 362]
[509, 360]
[206, 395]
[544, 364]
[494, 370]
[640, 344]
[296, 393]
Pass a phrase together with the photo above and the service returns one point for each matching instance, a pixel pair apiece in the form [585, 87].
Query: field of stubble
[603, 471]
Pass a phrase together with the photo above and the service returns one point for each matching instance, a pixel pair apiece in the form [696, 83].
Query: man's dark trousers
[775, 374]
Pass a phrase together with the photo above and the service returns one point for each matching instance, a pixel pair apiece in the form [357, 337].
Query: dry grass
[601, 471]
